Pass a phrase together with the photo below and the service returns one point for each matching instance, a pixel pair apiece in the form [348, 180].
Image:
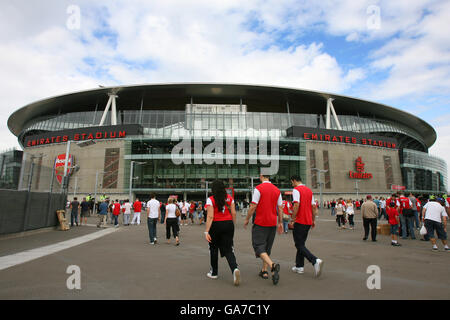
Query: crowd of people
[271, 213]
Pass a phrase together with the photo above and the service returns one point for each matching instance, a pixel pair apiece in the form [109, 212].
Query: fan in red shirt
[304, 213]
[137, 207]
[191, 211]
[116, 213]
[267, 203]
[221, 217]
[287, 213]
[406, 217]
[393, 221]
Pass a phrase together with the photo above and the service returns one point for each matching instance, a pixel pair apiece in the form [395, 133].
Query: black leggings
[350, 220]
[222, 233]
[340, 219]
[172, 223]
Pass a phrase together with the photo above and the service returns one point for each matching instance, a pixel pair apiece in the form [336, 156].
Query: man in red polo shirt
[304, 214]
[267, 203]
[406, 216]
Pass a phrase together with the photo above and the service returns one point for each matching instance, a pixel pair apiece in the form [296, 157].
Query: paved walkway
[121, 264]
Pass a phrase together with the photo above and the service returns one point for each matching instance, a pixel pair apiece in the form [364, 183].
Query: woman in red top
[221, 217]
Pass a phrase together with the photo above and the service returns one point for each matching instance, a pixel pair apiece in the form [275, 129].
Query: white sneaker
[210, 275]
[298, 270]
[318, 268]
[236, 276]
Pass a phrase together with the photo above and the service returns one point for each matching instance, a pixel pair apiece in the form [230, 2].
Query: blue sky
[399, 56]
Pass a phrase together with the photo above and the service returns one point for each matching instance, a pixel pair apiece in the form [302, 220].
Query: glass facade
[10, 164]
[423, 173]
[169, 124]
[235, 166]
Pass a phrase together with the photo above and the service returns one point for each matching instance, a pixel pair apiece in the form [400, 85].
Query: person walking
[369, 212]
[102, 213]
[153, 215]
[350, 211]
[126, 212]
[137, 207]
[265, 202]
[414, 209]
[406, 217]
[394, 221]
[191, 211]
[163, 212]
[304, 214]
[287, 215]
[333, 207]
[200, 213]
[84, 205]
[219, 231]
[184, 212]
[435, 219]
[74, 206]
[340, 212]
[171, 221]
[116, 213]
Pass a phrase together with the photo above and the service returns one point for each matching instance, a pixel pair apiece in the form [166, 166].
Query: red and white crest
[60, 161]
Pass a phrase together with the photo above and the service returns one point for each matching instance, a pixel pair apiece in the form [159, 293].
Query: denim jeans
[416, 218]
[73, 218]
[333, 211]
[407, 222]
[285, 226]
[115, 219]
[151, 224]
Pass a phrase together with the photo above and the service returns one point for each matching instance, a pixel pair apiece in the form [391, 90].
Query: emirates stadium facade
[174, 139]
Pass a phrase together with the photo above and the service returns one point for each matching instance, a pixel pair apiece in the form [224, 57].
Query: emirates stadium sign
[83, 134]
[359, 174]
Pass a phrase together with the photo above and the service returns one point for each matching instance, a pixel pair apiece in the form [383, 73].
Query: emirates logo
[359, 174]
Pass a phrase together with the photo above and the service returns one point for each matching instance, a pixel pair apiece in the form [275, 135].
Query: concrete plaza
[123, 265]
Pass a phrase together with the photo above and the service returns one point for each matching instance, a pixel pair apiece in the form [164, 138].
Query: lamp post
[95, 190]
[131, 177]
[320, 187]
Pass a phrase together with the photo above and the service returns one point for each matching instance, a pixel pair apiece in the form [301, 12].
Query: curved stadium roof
[175, 96]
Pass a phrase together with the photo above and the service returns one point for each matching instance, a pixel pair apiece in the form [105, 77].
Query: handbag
[423, 231]
[177, 212]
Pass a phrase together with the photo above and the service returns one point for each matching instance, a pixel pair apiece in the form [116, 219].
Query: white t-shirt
[434, 211]
[170, 210]
[127, 207]
[153, 205]
[383, 204]
[183, 208]
[349, 209]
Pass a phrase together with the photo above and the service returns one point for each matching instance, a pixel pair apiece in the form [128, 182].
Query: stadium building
[174, 139]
